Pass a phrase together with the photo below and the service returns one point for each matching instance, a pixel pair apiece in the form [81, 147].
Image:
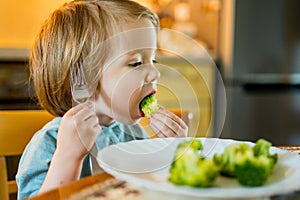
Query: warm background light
[20, 20]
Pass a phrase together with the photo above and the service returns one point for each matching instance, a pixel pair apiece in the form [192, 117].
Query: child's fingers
[160, 129]
[85, 113]
[77, 108]
[167, 126]
[170, 121]
[174, 117]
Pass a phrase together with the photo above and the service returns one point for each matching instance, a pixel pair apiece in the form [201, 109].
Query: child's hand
[166, 124]
[78, 130]
[77, 133]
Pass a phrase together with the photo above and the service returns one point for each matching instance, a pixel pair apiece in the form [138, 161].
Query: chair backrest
[185, 115]
[16, 129]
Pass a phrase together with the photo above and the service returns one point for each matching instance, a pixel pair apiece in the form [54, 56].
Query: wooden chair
[185, 115]
[16, 129]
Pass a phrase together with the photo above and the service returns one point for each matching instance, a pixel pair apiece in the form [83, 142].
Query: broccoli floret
[149, 105]
[250, 165]
[227, 159]
[190, 168]
[253, 171]
[254, 168]
[262, 147]
[194, 145]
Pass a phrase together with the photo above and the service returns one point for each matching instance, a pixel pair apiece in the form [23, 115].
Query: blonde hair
[70, 35]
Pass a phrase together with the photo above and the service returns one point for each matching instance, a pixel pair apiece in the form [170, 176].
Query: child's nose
[153, 74]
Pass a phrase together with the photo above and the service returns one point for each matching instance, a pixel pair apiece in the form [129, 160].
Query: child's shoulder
[42, 144]
[48, 132]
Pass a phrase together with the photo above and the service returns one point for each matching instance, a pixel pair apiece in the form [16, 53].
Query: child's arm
[166, 124]
[76, 135]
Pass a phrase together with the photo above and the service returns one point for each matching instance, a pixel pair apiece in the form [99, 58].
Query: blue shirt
[35, 161]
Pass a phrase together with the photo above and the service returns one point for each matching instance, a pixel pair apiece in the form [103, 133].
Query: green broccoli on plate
[190, 168]
[227, 160]
[250, 165]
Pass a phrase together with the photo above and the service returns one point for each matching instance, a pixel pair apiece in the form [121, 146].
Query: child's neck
[105, 120]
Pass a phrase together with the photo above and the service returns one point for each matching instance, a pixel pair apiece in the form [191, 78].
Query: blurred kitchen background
[254, 43]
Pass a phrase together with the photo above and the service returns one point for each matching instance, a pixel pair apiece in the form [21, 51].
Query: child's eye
[136, 64]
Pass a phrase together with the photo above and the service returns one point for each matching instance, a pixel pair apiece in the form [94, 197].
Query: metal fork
[79, 86]
[80, 94]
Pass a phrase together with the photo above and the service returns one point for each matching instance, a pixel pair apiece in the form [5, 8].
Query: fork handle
[94, 166]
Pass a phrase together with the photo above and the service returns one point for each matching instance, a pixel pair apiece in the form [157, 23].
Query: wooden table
[74, 187]
[90, 184]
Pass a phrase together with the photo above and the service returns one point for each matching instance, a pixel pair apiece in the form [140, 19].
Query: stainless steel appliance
[16, 92]
[260, 61]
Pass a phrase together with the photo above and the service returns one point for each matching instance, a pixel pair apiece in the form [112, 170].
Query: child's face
[129, 74]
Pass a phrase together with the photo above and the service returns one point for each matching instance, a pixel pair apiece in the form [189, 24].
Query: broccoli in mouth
[149, 105]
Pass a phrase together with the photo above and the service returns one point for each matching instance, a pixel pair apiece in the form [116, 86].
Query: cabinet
[188, 84]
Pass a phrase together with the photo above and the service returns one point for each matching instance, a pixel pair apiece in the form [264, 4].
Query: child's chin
[134, 119]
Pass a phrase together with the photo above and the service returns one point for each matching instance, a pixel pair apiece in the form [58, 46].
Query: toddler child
[114, 42]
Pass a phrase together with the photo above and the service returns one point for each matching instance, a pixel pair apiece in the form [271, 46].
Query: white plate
[146, 163]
